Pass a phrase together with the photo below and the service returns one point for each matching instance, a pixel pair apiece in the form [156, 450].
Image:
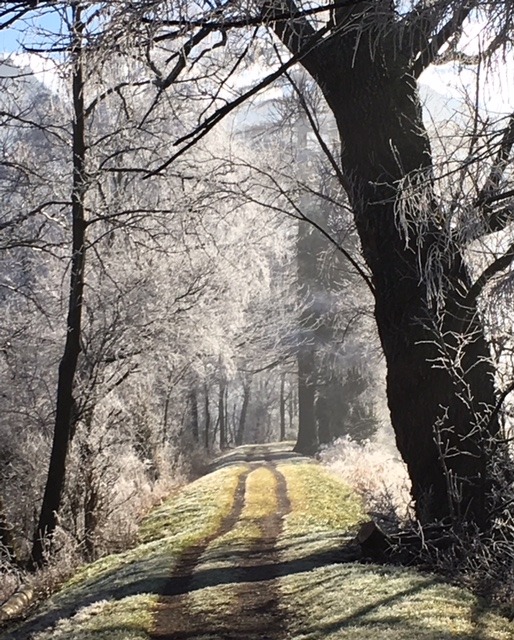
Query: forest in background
[162, 301]
[200, 288]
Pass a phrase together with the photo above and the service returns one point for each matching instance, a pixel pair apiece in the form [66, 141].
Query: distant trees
[167, 323]
[366, 58]
[332, 297]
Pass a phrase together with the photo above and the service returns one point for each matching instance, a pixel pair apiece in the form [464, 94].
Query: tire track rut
[255, 614]
[171, 611]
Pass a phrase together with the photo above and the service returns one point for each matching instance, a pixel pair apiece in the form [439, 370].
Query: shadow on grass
[340, 621]
[135, 579]
[258, 454]
[420, 611]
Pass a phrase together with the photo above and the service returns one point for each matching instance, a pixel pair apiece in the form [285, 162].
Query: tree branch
[424, 47]
[488, 194]
[178, 68]
[496, 219]
[500, 264]
[324, 147]
[209, 123]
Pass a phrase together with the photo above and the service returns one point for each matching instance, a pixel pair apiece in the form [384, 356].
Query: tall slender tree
[68, 366]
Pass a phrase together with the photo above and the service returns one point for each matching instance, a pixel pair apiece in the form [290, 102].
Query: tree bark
[282, 407]
[221, 414]
[6, 534]
[207, 433]
[193, 404]
[434, 410]
[439, 413]
[323, 419]
[307, 439]
[242, 416]
[68, 365]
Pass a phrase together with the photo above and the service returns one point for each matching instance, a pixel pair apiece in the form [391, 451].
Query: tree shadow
[135, 579]
[258, 454]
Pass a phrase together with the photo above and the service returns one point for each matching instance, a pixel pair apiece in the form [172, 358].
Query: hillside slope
[256, 549]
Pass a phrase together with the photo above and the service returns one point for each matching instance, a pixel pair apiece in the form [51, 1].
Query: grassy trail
[258, 549]
[239, 560]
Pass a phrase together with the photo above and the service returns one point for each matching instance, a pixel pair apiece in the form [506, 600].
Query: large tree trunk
[68, 365]
[307, 439]
[435, 408]
[439, 411]
[323, 419]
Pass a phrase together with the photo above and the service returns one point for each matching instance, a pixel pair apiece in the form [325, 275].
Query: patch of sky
[33, 30]
[490, 84]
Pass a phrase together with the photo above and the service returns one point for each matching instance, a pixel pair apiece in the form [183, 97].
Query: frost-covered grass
[186, 519]
[115, 599]
[364, 602]
[367, 602]
[325, 512]
[126, 619]
[195, 513]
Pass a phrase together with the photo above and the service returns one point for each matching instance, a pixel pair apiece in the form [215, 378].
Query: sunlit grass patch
[260, 494]
[357, 602]
[325, 513]
[196, 512]
[319, 501]
[127, 619]
[260, 501]
[203, 503]
[216, 605]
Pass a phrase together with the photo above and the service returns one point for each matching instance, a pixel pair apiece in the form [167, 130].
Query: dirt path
[250, 574]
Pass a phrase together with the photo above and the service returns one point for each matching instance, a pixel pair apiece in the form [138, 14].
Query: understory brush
[124, 495]
[375, 471]
[10, 579]
[480, 561]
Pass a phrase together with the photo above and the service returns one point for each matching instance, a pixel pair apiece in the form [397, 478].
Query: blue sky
[30, 30]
